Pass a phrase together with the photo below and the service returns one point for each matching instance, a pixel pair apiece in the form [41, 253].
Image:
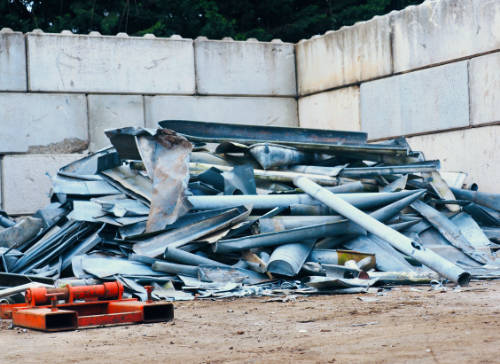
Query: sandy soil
[404, 325]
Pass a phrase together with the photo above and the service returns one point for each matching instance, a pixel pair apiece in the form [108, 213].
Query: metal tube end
[464, 279]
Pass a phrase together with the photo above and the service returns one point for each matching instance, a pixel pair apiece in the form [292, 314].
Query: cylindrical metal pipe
[396, 239]
[174, 268]
[360, 200]
[287, 259]
[282, 176]
[6, 222]
[184, 257]
[288, 236]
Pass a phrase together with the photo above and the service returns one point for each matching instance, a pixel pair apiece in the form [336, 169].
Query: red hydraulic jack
[84, 306]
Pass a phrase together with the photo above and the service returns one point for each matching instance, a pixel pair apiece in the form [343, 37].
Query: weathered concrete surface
[484, 85]
[338, 109]
[43, 122]
[244, 68]
[82, 63]
[277, 111]
[25, 182]
[110, 112]
[351, 54]
[12, 61]
[444, 30]
[474, 151]
[428, 100]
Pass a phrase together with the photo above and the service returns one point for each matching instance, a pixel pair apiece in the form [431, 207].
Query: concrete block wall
[429, 72]
[59, 92]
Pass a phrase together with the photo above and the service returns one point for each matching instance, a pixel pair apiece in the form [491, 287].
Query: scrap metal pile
[218, 210]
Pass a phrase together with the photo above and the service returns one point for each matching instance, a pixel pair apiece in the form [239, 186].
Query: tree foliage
[290, 20]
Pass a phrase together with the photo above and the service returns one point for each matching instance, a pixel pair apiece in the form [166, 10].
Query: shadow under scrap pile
[219, 210]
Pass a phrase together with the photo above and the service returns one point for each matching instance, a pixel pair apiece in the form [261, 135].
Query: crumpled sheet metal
[399, 241]
[97, 229]
[326, 283]
[166, 157]
[104, 267]
[156, 245]
[22, 231]
[450, 231]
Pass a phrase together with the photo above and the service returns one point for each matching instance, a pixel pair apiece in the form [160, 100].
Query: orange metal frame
[99, 305]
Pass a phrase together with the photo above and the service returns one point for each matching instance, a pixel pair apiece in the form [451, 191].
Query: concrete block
[351, 54]
[417, 102]
[43, 123]
[443, 30]
[26, 185]
[111, 112]
[244, 68]
[276, 111]
[338, 110]
[82, 63]
[484, 85]
[474, 151]
[12, 61]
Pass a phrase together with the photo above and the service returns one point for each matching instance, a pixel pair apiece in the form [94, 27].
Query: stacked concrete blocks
[110, 112]
[12, 61]
[59, 92]
[122, 64]
[227, 67]
[431, 68]
[337, 109]
[273, 111]
[439, 31]
[40, 122]
[26, 180]
[423, 101]
[350, 55]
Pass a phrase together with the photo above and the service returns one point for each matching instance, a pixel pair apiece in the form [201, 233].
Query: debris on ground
[210, 210]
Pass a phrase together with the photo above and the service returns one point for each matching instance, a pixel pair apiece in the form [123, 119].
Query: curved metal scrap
[166, 157]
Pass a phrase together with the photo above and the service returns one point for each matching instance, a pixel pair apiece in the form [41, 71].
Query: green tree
[290, 20]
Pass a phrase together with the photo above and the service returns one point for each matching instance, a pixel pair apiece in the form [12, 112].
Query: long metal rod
[427, 166]
[491, 200]
[288, 236]
[360, 200]
[206, 131]
[396, 239]
[270, 175]
[280, 223]
[184, 257]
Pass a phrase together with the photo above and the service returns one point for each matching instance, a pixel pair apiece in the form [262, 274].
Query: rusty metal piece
[218, 132]
[166, 158]
[149, 290]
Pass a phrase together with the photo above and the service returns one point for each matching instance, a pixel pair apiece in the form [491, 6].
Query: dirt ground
[404, 325]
